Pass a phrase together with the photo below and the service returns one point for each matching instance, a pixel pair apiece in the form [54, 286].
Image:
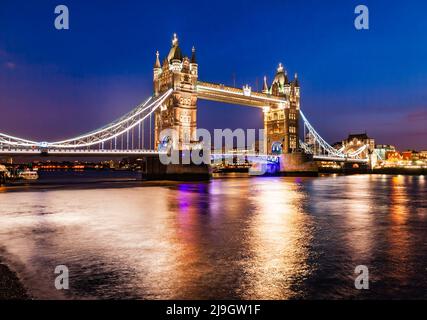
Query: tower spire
[296, 80]
[175, 52]
[265, 86]
[157, 64]
[175, 40]
[193, 55]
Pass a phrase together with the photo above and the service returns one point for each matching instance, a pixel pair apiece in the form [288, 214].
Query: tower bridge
[176, 91]
[280, 101]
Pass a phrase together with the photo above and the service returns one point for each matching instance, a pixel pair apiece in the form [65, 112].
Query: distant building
[382, 150]
[355, 142]
[407, 155]
[359, 139]
[423, 154]
[393, 156]
[411, 155]
[415, 155]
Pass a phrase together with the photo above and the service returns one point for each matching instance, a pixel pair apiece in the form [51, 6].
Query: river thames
[234, 237]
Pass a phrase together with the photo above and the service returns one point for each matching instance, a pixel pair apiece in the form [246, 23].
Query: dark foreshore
[10, 286]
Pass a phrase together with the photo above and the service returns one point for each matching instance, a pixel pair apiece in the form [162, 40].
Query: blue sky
[55, 84]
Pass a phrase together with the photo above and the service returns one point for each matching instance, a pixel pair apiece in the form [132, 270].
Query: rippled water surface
[236, 237]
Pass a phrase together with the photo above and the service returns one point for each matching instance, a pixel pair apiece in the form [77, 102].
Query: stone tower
[179, 112]
[281, 120]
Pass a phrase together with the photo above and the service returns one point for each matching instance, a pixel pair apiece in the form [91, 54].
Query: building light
[247, 90]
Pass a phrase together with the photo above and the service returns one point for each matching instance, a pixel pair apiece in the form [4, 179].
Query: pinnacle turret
[265, 86]
[157, 64]
[296, 81]
[175, 52]
[193, 55]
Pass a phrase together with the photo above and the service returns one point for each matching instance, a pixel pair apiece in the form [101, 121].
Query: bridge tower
[179, 112]
[281, 120]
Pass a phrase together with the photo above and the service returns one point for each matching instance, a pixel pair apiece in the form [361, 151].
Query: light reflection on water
[248, 238]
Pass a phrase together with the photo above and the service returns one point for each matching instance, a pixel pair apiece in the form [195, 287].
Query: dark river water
[232, 238]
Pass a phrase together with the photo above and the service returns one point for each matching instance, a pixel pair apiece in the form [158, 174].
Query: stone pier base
[298, 164]
[155, 170]
[2, 178]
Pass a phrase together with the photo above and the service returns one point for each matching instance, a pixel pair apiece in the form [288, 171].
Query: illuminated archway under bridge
[174, 106]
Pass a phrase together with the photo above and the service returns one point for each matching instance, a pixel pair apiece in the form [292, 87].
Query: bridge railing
[119, 134]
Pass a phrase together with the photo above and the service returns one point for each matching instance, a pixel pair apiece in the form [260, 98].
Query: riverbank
[402, 171]
[10, 286]
[387, 171]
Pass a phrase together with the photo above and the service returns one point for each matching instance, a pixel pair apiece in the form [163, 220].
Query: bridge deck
[339, 159]
[124, 153]
[76, 152]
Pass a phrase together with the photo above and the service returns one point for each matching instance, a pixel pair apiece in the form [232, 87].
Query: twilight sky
[56, 84]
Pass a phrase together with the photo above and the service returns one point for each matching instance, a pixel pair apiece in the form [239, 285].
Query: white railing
[109, 133]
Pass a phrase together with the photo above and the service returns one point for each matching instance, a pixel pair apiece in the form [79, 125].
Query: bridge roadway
[109, 153]
[339, 159]
[6, 152]
[76, 152]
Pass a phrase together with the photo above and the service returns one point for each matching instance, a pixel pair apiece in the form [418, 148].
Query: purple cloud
[10, 65]
[417, 115]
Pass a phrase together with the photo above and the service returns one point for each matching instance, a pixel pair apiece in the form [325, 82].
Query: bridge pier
[298, 164]
[355, 168]
[2, 178]
[155, 170]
